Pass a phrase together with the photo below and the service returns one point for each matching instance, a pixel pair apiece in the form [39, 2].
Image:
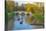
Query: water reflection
[19, 22]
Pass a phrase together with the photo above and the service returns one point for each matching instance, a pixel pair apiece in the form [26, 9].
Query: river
[19, 23]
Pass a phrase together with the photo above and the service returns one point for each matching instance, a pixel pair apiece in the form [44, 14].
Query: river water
[19, 23]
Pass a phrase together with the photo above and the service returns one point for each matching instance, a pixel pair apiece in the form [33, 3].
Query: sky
[23, 1]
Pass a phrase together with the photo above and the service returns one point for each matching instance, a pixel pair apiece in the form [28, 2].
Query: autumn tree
[37, 13]
[10, 5]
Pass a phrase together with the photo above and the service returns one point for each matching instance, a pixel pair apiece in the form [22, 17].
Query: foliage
[37, 12]
[10, 5]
